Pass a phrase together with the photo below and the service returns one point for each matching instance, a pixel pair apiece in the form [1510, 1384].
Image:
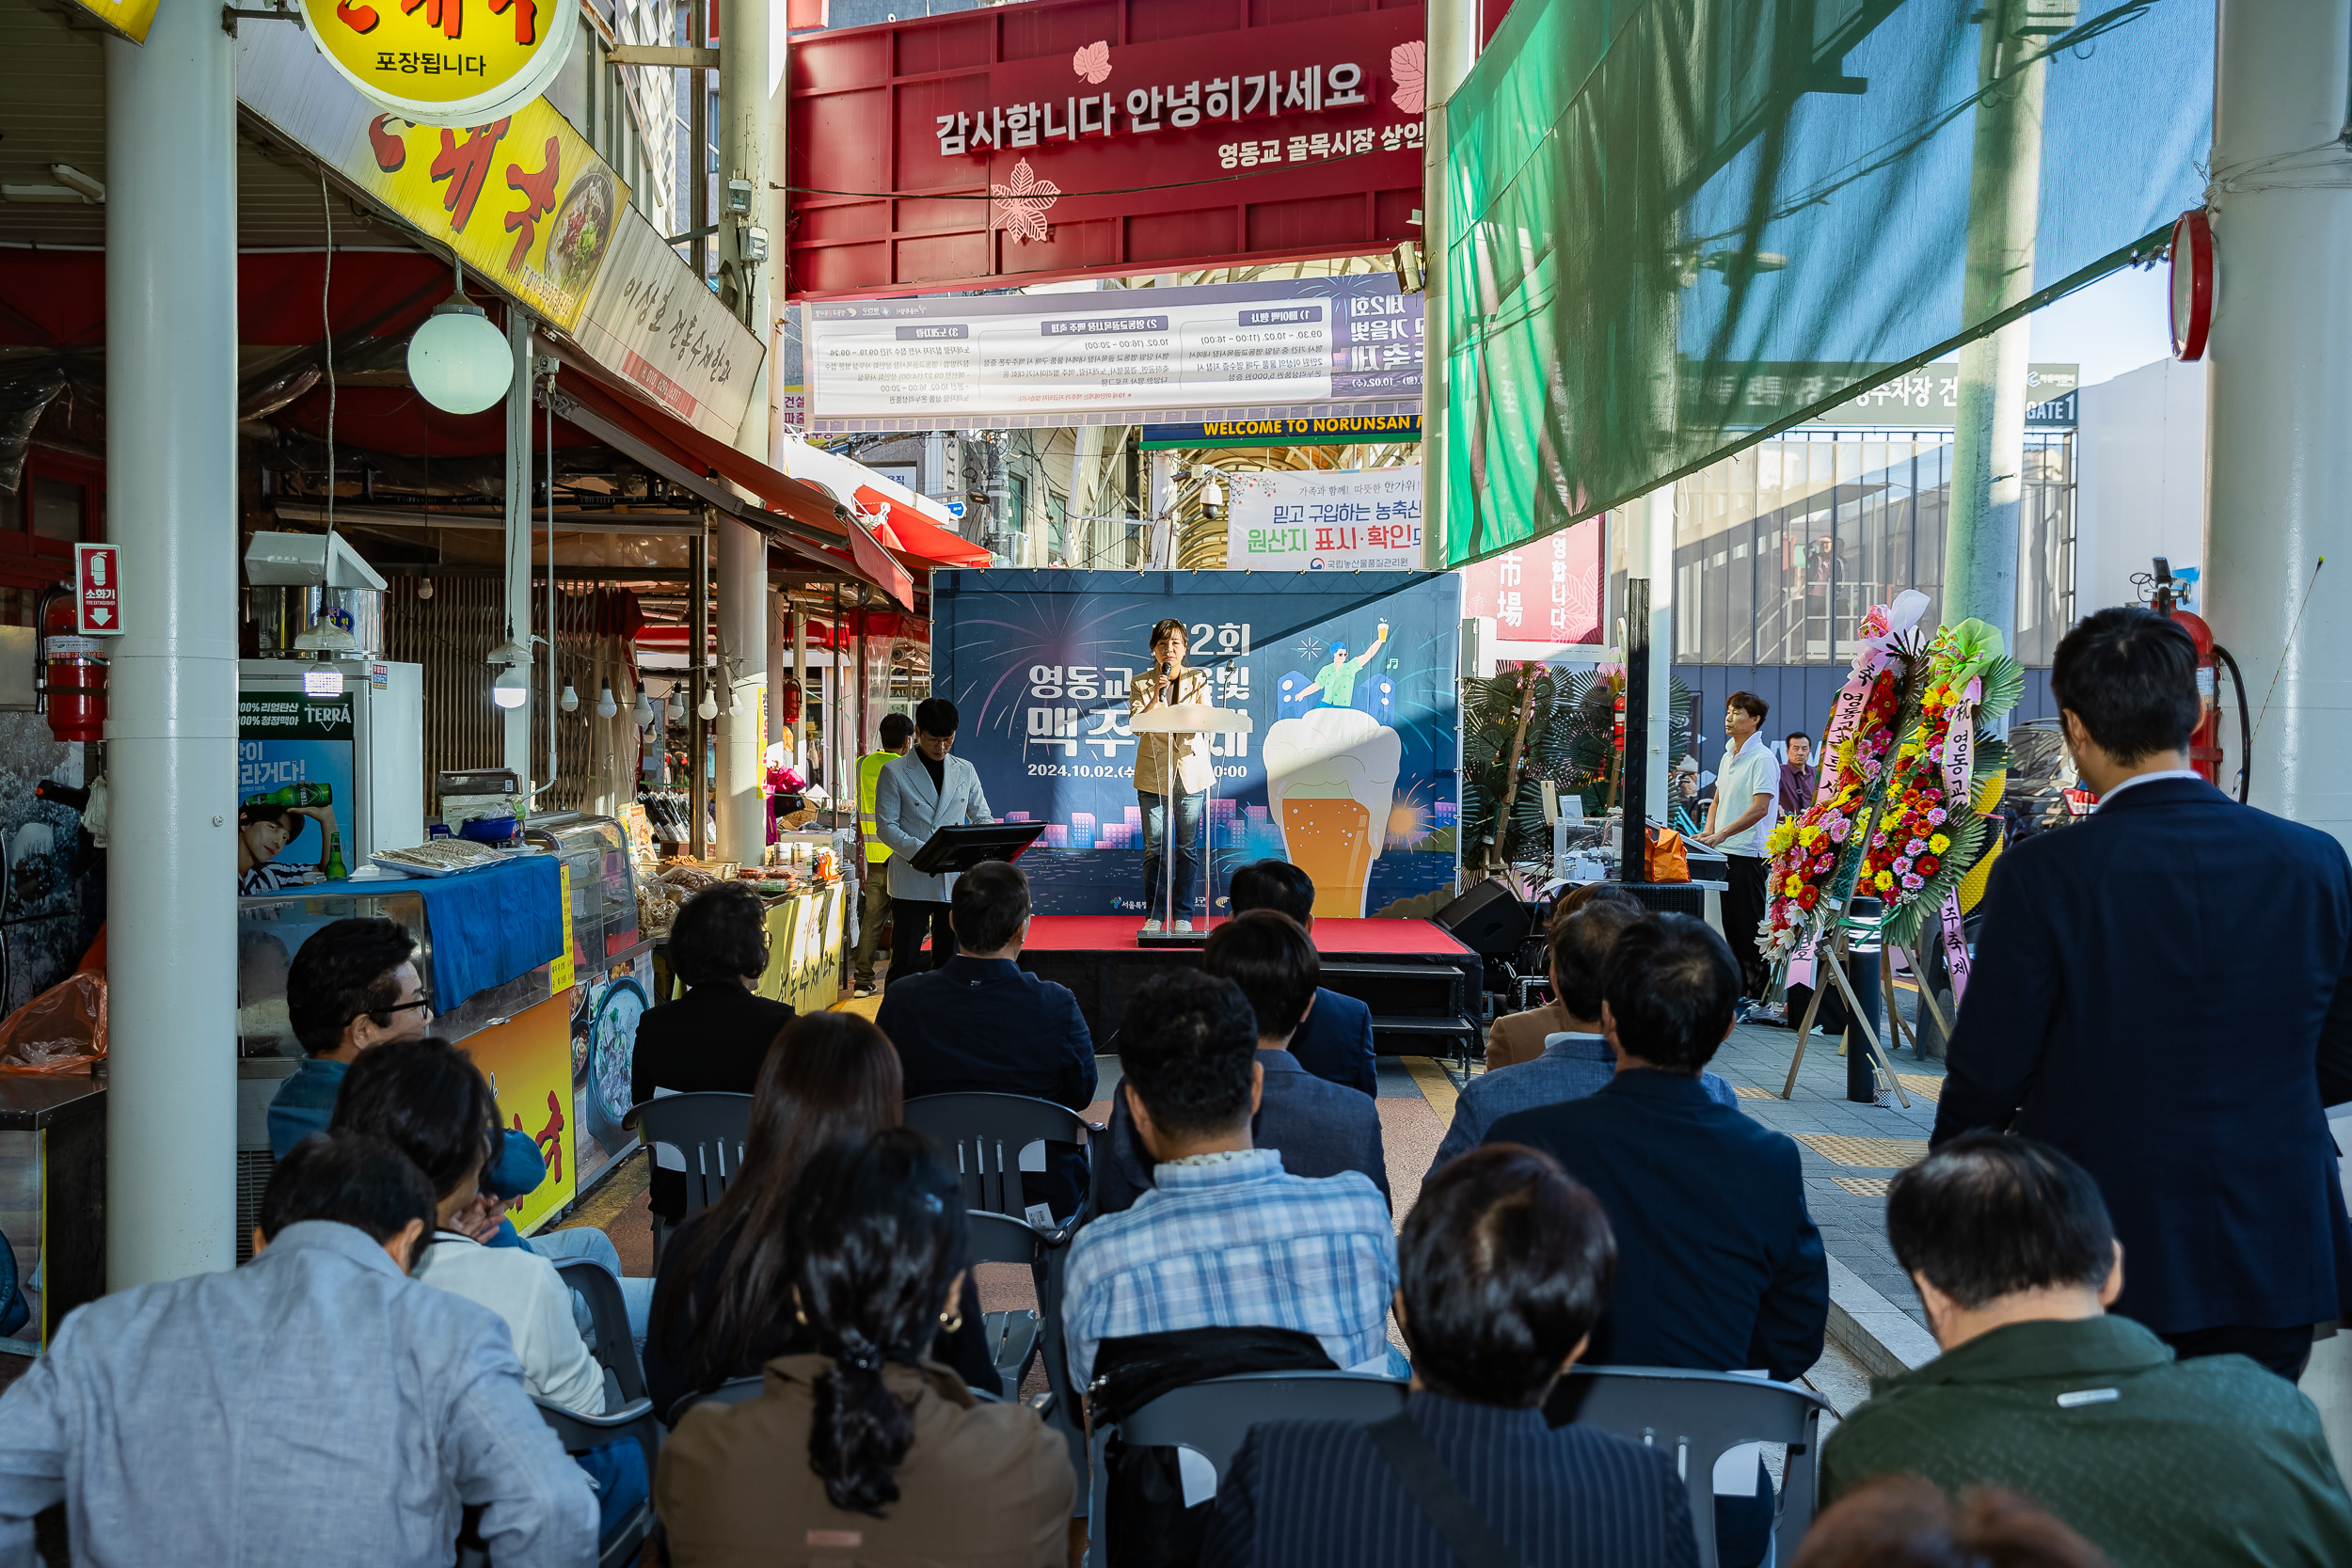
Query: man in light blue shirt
[1747, 808]
[315, 1406]
[1226, 1237]
[1575, 1061]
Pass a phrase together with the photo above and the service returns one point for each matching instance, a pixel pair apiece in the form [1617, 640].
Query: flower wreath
[1931, 693]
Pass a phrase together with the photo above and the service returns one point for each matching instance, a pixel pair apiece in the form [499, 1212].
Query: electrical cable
[2289, 643]
[326, 330]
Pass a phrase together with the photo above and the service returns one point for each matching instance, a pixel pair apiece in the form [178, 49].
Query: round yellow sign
[445, 62]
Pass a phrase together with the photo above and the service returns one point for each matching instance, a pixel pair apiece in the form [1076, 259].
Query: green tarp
[1657, 205]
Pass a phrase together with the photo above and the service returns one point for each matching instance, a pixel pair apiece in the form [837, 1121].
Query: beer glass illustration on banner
[1330, 783]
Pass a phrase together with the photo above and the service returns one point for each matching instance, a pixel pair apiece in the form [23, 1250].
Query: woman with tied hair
[722, 1305]
[859, 1448]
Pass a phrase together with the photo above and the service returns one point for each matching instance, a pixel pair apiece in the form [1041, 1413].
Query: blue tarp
[488, 926]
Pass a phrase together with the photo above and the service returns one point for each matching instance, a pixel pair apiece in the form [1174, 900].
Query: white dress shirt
[524, 1289]
[1753, 770]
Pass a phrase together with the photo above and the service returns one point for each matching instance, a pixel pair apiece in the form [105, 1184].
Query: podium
[1183, 719]
[962, 848]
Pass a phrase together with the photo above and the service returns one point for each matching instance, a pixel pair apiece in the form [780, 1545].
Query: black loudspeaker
[1487, 920]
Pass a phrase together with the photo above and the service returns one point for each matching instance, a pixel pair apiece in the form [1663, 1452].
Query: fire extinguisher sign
[98, 590]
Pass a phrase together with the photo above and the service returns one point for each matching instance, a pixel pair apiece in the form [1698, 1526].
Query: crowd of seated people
[1599, 1201]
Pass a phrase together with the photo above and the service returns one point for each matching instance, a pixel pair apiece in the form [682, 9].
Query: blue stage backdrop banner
[1347, 677]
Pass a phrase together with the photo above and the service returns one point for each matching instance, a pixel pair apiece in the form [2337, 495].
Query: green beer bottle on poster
[336, 870]
[306, 794]
[282, 796]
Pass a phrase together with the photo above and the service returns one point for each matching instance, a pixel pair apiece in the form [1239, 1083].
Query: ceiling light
[457, 361]
[708, 708]
[569, 702]
[641, 712]
[512, 688]
[605, 706]
[677, 704]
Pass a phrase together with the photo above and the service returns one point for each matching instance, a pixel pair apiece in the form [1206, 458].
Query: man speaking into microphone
[1169, 769]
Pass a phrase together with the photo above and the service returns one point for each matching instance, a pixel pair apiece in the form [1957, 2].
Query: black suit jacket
[713, 1039]
[1319, 1129]
[988, 1027]
[1718, 1266]
[1318, 1495]
[1335, 1044]
[2159, 991]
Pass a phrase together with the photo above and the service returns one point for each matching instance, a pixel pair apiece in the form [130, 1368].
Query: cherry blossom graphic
[1406, 64]
[1019, 209]
[1093, 62]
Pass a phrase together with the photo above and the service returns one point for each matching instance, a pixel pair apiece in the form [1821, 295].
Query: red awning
[918, 536]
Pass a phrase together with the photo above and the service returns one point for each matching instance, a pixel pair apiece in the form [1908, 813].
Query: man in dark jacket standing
[982, 1024]
[2159, 993]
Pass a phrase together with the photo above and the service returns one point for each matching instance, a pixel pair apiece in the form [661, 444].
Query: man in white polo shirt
[1747, 805]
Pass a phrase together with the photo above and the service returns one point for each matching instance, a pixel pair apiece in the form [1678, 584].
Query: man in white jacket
[917, 795]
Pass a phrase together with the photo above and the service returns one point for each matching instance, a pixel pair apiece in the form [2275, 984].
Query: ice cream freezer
[554, 1037]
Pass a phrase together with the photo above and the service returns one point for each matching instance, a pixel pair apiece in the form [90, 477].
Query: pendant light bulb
[513, 686]
[642, 710]
[605, 706]
[708, 708]
[677, 704]
[569, 702]
[735, 704]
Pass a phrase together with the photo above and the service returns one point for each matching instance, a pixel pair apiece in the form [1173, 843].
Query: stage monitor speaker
[1487, 920]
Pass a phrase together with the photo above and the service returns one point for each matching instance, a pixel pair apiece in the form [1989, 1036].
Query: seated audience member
[355, 985]
[1504, 1265]
[1226, 1237]
[1719, 1265]
[429, 1101]
[1517, 1037]
[253, 1414]
[722, 1304]
[715, 1036]
[2156, 1460]
[1904, 1522]
[1319, 1128]
[859, 1448]
[1335, 1042]
[980, 1023]
[1576, 1061]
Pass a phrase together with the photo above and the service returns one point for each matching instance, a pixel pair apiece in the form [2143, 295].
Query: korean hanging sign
[444, 62]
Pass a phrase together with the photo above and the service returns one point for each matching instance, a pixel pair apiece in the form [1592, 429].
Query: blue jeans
[1188, 810]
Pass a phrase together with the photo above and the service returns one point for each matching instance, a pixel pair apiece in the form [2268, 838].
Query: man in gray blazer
[919, 794]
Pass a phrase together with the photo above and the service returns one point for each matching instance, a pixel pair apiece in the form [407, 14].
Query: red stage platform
[1422, 985]
[1334, 938]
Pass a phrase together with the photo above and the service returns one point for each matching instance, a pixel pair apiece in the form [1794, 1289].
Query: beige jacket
[1520, 1036]
[1193, 768]
[982, 1485]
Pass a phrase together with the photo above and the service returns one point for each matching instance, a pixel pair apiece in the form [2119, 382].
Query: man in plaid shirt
[1225, 1238]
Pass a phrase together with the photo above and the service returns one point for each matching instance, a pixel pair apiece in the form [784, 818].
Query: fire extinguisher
[788, 702]
[2204, 742]
[70, 684]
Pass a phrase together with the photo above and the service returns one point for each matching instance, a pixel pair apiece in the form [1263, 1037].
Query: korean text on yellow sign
[450, 62]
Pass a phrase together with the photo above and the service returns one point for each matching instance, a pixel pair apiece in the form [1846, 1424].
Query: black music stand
[961, 849]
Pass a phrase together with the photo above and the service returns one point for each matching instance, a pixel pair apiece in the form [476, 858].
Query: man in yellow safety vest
[897, 731]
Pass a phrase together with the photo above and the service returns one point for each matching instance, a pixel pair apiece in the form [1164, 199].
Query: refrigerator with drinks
[339, 746]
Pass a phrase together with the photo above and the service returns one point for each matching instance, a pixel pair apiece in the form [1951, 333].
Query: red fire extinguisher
[788, 702]
[2204, 742]
[71, 683]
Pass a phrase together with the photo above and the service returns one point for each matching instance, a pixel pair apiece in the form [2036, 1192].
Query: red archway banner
[1070, 138]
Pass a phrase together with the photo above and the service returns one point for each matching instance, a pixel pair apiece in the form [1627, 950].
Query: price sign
[98, 590]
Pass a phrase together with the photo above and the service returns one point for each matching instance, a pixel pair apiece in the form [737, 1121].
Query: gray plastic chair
[706, 1131]
[1211, 1417]
[1700, 1415]
[629, 1412]
[985, 1134]
[1012, 1337]
[1060, 1405]
[735, 1390]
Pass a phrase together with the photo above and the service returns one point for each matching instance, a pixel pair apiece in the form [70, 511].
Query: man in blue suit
[1320, 1129]
[982, 1024]
[2160, 993]
[1719, 1265]
[917, 795]
[1335, 1042]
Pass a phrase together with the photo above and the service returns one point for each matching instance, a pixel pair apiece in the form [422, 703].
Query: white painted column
[171, 731]
[514, 723]
[1658, 509]
[2278, 471]
[741, 572]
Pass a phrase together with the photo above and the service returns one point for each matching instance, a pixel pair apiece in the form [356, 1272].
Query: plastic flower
[1927, 866]
[1792, 884]
[1809, 898]
[1838, 829]
[1884, 880]
[1914, 881]
[1939, 843]
[1914, 847]
[1935, 813]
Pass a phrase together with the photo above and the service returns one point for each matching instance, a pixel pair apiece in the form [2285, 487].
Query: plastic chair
[629, 1412]
[1702, 1414]
[1060, 1405]
[735, 1390]
[1012, 1337]
[706, 1131]
[1211, 1417]
[987, 1132]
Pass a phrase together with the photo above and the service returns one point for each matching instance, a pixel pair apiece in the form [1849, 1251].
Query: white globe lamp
[458, 362]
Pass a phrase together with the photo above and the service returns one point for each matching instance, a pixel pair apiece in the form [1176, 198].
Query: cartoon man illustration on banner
[1336, 680]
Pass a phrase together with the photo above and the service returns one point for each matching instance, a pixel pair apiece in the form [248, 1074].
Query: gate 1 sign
[1348, 678]
[98, 590]
[1078, 137]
